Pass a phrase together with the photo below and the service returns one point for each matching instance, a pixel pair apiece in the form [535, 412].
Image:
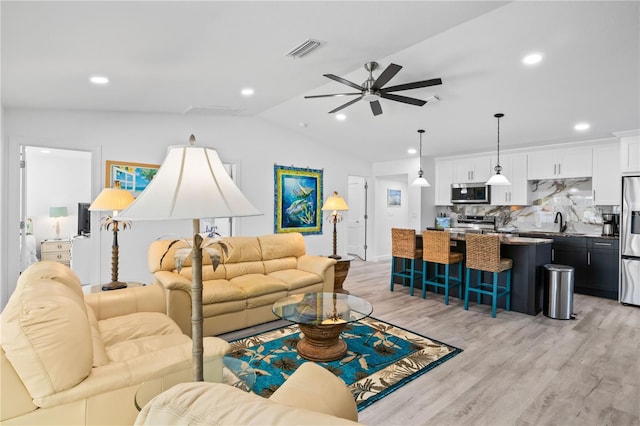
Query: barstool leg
[425, 268]
[393, 272]
[412, 273]
[479, 285]
[508, 294]
[446, 284]
[466, 290]
[494, 296]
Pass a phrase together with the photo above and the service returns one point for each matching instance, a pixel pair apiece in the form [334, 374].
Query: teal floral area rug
[380, 358]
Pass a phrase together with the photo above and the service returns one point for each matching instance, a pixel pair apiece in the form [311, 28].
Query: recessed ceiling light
[98, 79]
[532, 59]
[247, 92]
[341, 117]
[412, 151]
[45, 151]
[582, 126]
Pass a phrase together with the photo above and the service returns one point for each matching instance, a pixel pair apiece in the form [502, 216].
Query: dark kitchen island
[529, 256]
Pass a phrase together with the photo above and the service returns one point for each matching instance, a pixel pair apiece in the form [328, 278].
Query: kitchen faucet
[563, 226]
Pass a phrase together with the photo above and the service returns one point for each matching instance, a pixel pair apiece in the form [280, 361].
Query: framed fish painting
[297, 200]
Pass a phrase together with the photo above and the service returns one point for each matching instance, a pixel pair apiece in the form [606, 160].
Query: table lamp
[57, 213]
[113, 199]
[191, 184]
[335, 204]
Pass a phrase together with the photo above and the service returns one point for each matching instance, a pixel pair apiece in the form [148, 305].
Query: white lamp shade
[498, 180]
[190, 184]
[420, 181]
[335, 203]
[112, 199]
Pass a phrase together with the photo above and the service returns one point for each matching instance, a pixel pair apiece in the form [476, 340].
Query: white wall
[252, 144]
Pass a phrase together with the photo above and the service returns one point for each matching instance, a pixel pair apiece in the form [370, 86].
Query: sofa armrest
[315, 264]
[118, 375]
[328, 394]
[172, 281]
[114, 303]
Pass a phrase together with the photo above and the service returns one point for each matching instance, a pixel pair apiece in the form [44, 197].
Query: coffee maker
[610, 224]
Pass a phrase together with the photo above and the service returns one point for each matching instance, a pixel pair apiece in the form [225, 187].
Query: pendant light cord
[498, 167]
[420, 172]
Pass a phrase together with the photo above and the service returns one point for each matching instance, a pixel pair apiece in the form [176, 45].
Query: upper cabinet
[444, 179]
[474, 169]
[514, 168]
[560, 163]
[630, 154]
[606, 175]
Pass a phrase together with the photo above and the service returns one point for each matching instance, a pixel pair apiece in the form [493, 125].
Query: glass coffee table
[321, 318]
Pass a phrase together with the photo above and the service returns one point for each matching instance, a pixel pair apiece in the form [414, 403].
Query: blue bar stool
[483, 254]
[436, 249]
[403, 246]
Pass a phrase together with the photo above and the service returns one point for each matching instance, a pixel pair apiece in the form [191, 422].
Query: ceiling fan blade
[388, 73]
[404, 99]
[415, 85]
[375, 107]
[346, 105]
[343, 81]
[333, 94]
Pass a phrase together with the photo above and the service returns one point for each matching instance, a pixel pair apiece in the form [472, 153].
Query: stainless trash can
[558, 292]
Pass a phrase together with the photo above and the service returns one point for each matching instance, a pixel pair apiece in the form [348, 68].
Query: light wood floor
[515, 369]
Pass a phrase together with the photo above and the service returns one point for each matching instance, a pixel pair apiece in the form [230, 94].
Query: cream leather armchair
[69, 359]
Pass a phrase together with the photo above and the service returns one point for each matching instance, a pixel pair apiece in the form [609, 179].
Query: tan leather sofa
[310, 396]
[256, 272]
[72, 359]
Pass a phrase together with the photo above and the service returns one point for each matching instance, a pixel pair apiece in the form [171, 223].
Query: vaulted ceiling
[194, 58]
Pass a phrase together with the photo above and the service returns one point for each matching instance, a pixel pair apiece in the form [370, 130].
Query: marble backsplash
[571, 197]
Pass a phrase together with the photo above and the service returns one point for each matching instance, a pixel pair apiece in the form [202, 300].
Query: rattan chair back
[403, 243]
[483, 252]
[436, 246]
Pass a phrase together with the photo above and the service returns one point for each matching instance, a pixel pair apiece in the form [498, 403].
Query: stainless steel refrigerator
[630, 241]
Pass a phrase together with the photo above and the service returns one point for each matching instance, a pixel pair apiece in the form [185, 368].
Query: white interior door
[357, 217]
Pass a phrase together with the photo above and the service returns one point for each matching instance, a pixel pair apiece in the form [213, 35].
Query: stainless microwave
[470, 193]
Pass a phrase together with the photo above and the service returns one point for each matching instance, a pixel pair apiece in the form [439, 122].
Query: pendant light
[498, 179]
[420, 181]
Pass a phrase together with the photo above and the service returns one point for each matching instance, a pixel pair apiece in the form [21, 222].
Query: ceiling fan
[373, 89]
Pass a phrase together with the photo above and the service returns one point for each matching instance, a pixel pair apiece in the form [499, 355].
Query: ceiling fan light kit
[498, 179]
[372, 90]
[420, 180]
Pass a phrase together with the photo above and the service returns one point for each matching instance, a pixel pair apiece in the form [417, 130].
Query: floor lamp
[335, 204]
[191, 184]
[113, 199]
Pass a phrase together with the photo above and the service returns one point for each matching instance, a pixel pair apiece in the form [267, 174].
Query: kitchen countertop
[509, 239]
[566, 234]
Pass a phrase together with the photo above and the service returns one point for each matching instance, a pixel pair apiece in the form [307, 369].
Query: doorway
[51, 180]
[357, 217]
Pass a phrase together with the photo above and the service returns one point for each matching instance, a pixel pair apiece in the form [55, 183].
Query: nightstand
[57, 250]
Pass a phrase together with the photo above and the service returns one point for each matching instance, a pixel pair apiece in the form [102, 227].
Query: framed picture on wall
[297, 200]
[134, 177]
[394, 198]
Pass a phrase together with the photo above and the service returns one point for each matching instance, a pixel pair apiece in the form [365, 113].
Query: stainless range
[473, 223]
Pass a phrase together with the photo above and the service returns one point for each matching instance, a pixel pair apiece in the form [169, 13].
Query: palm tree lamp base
[114, 285]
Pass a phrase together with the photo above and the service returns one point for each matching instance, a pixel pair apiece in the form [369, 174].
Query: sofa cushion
[276, 246]
[242, 249]
[135, 326]
[295, 279]
[37, 314]
[280, 264]
[257, 284]
[129, 349]
[216, 291]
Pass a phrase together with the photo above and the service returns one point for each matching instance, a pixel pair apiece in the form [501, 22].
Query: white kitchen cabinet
[560, 163]
[514, 168]
[473, 169]
[444, 179]
[630, 154]
[606, 175]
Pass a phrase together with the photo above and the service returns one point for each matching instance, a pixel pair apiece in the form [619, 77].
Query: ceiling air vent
[304, 49]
